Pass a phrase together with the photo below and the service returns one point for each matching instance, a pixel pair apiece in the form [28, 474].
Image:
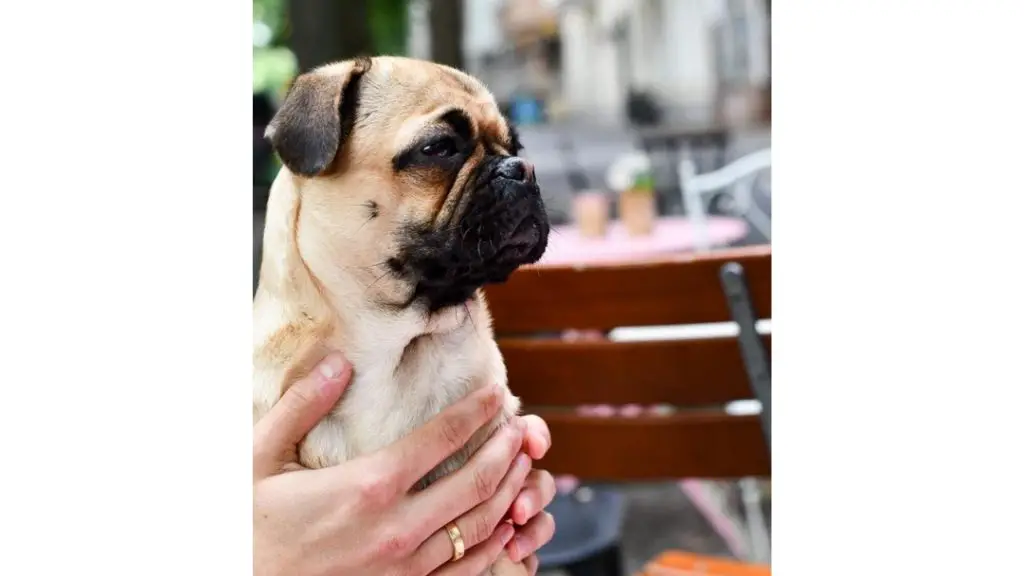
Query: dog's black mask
[498, 225]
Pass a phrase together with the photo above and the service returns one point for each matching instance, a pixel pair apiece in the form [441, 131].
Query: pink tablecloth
[671, 234]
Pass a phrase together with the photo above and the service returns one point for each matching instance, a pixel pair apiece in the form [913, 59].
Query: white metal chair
[737, 180]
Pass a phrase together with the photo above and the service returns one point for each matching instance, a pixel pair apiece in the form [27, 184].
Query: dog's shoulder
[287, 345]
[291, 338]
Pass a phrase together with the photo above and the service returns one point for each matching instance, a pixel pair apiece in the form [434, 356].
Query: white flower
[623, 172]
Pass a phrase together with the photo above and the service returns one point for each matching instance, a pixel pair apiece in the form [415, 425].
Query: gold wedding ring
[458, 546]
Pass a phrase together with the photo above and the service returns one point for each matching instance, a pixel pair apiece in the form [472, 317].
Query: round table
[671, 234]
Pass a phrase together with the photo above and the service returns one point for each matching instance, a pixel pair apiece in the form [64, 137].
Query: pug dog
[401, 196]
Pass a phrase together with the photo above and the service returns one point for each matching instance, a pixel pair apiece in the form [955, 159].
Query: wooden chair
[692, 379]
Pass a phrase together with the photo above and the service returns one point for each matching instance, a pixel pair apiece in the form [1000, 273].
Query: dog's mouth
[501, 226]
[523, 242]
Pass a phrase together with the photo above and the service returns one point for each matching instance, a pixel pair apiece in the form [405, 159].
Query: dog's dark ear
[311, 125]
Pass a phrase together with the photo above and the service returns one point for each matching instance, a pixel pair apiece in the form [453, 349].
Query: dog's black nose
[516, 169]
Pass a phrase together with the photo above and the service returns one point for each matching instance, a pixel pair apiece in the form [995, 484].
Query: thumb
[305, 403]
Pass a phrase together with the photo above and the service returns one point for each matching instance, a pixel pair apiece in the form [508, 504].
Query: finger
[566, 483]
[480, 558]
[537, 493]
[304, 404]
[532, 563]
[538, 436]
[531, 537]
[436, 505]
[423, 449]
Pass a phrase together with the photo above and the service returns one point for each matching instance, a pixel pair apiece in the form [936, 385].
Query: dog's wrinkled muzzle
[522, 227]
[502, 225]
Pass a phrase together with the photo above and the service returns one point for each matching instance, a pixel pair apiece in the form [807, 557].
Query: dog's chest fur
[400, 382]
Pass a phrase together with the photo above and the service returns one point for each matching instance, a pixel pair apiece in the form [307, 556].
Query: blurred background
[586, 80]
[621, 105]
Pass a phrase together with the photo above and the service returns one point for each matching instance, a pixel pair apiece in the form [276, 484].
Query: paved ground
[659, 517]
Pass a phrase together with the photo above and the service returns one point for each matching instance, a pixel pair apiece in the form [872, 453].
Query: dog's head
[409, 181]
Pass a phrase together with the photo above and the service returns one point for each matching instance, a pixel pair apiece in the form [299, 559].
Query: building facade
[695, 58]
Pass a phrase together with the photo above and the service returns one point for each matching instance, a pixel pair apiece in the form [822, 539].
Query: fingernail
[522, 425]
[332, 366]
[491, 395]
[513, 426]
[526, 506]
[523, 546]
[506, 533]
[522, 462]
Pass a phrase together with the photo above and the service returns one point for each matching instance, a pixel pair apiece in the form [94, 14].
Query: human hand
[535, 527]
[360, 518]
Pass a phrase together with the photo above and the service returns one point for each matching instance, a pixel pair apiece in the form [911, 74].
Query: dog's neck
[363, 324]
[338, 311]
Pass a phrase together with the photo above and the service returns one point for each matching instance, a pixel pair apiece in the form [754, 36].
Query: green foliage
[388, 25]
[274, 14]
[272, 70]
[275, 65]
[644, 181]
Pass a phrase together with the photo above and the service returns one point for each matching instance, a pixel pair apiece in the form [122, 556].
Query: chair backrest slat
[677, 290]
[685, 445]
[679, 372]
[696, 377]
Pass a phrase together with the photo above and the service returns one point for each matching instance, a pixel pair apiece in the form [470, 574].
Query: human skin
[360, 517]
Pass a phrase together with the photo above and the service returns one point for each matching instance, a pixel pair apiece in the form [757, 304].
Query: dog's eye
[440, 148]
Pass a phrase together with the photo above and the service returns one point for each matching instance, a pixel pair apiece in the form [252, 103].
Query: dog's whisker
[379, 278]
[364, 223]
[469, 315]
[452, 228]
[368, 267]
